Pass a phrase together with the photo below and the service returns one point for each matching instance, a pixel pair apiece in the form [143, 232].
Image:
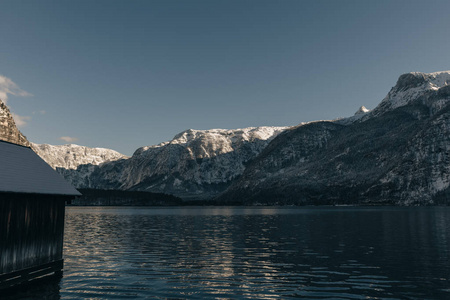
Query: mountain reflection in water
[259, 253]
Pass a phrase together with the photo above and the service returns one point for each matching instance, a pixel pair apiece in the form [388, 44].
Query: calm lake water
[257, 253]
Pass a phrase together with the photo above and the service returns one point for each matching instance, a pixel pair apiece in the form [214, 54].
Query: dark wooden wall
[31, 230]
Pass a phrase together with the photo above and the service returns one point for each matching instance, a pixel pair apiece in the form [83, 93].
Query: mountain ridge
[195, 164]
[8, 129]
[394, 154]
[70, 156]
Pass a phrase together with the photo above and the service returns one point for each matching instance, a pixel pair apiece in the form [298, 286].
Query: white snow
[70, 156]
[362, 110]
[213, 142]
[401, 97]
[201, 156]
[438, 79]
[433, 81]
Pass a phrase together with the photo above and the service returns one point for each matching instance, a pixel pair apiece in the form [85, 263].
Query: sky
[127, 74]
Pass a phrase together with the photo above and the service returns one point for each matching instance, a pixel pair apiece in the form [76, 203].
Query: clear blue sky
[125, 74]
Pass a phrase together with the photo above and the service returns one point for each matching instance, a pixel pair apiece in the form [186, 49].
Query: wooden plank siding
[31, 231]
[39, 273]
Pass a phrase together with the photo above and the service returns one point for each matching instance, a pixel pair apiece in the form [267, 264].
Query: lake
[254, 253]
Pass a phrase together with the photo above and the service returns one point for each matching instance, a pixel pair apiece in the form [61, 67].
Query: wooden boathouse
[32, 207]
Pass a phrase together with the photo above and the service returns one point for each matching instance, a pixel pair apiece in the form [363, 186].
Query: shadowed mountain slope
[396, 154]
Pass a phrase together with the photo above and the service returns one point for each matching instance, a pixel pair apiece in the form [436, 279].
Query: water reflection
[345, 253]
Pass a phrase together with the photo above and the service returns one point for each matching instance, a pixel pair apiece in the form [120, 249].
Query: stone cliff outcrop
[8, 128]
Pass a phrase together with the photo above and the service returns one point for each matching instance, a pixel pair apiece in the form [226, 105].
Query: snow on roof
[23, 171]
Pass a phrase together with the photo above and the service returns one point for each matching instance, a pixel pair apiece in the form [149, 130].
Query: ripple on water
[255, 253]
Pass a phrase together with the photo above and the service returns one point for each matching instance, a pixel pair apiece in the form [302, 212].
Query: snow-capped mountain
[71, 156]
[361, 111]
[397, 153]
[76, 163]
[8, 128]
[195, 164]
[412, 86]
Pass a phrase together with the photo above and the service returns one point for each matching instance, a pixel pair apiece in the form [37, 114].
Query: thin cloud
[68, 139]
[39, 112]
[21, 121]
[9, 87]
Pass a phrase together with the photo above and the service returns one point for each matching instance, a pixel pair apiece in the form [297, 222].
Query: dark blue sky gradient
[125, 74]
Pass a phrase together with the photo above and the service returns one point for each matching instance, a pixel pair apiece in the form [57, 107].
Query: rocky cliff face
[8, 128]
[397, 153]
[196, 164]
[76, 163]
[71, 156]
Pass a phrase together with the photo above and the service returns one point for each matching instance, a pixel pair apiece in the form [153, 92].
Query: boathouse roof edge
[23, 171]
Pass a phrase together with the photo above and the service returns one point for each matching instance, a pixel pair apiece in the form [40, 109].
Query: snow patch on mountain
[195, 158]
[359, 114]
[71, 156]
[410, 87]
[195, 164]
[362, 110]
[399, 156]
